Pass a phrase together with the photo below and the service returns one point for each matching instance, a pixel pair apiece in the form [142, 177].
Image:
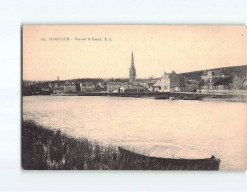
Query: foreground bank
[44, 149]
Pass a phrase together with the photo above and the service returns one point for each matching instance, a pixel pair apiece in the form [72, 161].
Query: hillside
[240, 71]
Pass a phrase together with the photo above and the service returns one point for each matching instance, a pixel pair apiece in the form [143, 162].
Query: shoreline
[166, 95]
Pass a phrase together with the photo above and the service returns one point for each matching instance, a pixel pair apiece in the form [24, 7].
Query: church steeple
[132, 69]
[132, 59]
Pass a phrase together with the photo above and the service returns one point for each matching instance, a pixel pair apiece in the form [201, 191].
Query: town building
[190, 85]
[113, 87]
[132, 69]
[149, 86]
[227, 83]
[101, 86]
[244, 83]
[57, 88]
[127, 88]
[223, 85]
[169, 82]
[210, 77]
[139, 89]
[87, 87]
[70, 88]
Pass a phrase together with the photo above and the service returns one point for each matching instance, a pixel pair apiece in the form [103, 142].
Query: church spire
[132, 60]
[132, 69]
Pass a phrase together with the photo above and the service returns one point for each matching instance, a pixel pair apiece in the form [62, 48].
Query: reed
[43, 148]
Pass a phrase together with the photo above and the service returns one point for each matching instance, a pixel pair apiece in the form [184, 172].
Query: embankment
[178, 95]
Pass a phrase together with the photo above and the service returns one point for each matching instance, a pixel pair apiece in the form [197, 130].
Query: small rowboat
[165, 157]
[161, 97]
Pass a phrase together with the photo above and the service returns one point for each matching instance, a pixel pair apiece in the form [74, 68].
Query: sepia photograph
[134, 97]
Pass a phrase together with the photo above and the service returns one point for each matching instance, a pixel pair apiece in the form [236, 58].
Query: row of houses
[61, 87]
[220, 80]
[172, 82]
[210, 81]
[125, 87]
[74, 87]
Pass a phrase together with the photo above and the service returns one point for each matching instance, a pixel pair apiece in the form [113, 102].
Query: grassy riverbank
[43, 149]
[46, 149]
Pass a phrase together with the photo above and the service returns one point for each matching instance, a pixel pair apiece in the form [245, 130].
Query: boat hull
[161, 97]
[153, 163]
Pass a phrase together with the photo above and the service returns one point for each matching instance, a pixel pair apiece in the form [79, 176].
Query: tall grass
[43, 148]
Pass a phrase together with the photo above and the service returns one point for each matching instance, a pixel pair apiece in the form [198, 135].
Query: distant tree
[78, 88]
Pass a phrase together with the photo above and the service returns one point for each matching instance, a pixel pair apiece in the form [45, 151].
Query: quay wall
[160, 94]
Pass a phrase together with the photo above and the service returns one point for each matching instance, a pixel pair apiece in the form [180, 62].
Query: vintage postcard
[134, 97]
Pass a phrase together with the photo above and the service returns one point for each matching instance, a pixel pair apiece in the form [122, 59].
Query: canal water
[215, 128]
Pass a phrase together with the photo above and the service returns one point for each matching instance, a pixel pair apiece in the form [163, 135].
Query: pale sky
[157, 49]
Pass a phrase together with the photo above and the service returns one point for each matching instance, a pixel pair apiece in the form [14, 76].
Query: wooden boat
[165, 157]
[192, 98]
